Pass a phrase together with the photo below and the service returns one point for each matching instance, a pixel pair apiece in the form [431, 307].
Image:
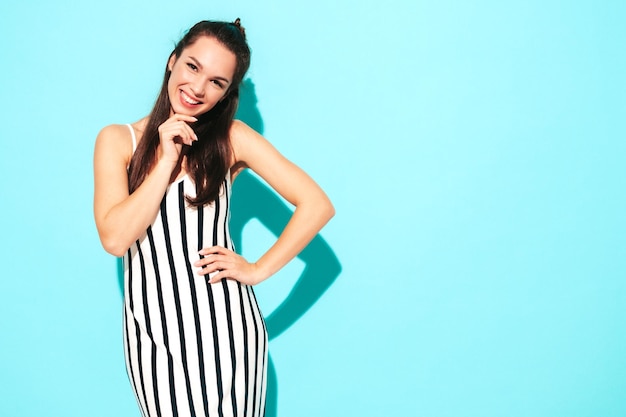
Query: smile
[188, 99]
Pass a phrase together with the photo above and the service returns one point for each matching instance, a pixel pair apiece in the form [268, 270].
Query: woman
[195, 340]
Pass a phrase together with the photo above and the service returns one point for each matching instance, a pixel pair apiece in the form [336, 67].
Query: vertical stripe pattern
[192, 349]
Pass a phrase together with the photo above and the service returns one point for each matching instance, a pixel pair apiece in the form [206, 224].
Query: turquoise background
[474, 152]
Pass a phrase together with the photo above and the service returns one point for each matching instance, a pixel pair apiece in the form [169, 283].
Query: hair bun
[237, 23]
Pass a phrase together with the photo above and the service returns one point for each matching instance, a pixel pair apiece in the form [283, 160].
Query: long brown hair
[209, 158]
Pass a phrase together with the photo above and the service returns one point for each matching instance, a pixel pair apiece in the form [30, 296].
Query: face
[200, 77]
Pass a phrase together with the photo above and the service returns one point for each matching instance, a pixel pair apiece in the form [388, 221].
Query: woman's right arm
[122, 217]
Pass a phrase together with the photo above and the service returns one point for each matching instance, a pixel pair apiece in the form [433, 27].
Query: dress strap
[132, 132]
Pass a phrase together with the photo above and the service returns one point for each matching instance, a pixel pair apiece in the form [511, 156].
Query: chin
[190, 112]
[186, 112]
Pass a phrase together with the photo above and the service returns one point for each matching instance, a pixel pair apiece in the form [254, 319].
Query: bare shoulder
[114, 134]
[241, 132]
[245, 141]
[115, 141]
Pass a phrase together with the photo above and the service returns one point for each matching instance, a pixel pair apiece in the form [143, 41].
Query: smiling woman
[200, 77]
[195, 340]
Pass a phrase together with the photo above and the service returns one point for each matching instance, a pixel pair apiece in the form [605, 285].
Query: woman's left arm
[313, 210]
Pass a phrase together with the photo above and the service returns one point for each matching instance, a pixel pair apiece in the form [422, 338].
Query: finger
[214, 250]
[218, 277]
[208, 260]
[184, 127]
[185, 131]
[210, 250]
[180, 132]
[205, 266]
[207, 270]
[215, 266]
[215, 278]
[183, 117]
[209, 275]
[178, 123]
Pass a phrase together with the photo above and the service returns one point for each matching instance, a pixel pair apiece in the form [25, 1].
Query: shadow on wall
[252, 199]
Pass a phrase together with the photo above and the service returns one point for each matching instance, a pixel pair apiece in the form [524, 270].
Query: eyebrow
[199, 65]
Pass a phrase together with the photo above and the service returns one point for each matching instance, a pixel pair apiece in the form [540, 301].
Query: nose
[197, 87]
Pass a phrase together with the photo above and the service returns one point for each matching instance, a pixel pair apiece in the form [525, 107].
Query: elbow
[113, 239]
[114, 247]
[114, 250]
[117, 253]
[328, 210]
[318, 210]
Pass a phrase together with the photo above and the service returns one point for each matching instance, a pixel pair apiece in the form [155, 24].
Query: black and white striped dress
[192, 348]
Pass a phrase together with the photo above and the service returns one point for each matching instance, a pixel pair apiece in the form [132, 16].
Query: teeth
[188, 99]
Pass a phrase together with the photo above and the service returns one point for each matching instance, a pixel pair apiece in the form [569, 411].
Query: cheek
[215, 95]
[177, 76]
[171, 82]
[225, 94]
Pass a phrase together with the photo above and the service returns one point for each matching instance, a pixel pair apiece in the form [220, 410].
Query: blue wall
[475, 155]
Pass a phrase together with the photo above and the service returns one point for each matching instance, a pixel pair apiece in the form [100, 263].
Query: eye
[192, 66]
[218, 83]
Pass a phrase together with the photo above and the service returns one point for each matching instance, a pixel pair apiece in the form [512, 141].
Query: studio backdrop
[474, 152]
